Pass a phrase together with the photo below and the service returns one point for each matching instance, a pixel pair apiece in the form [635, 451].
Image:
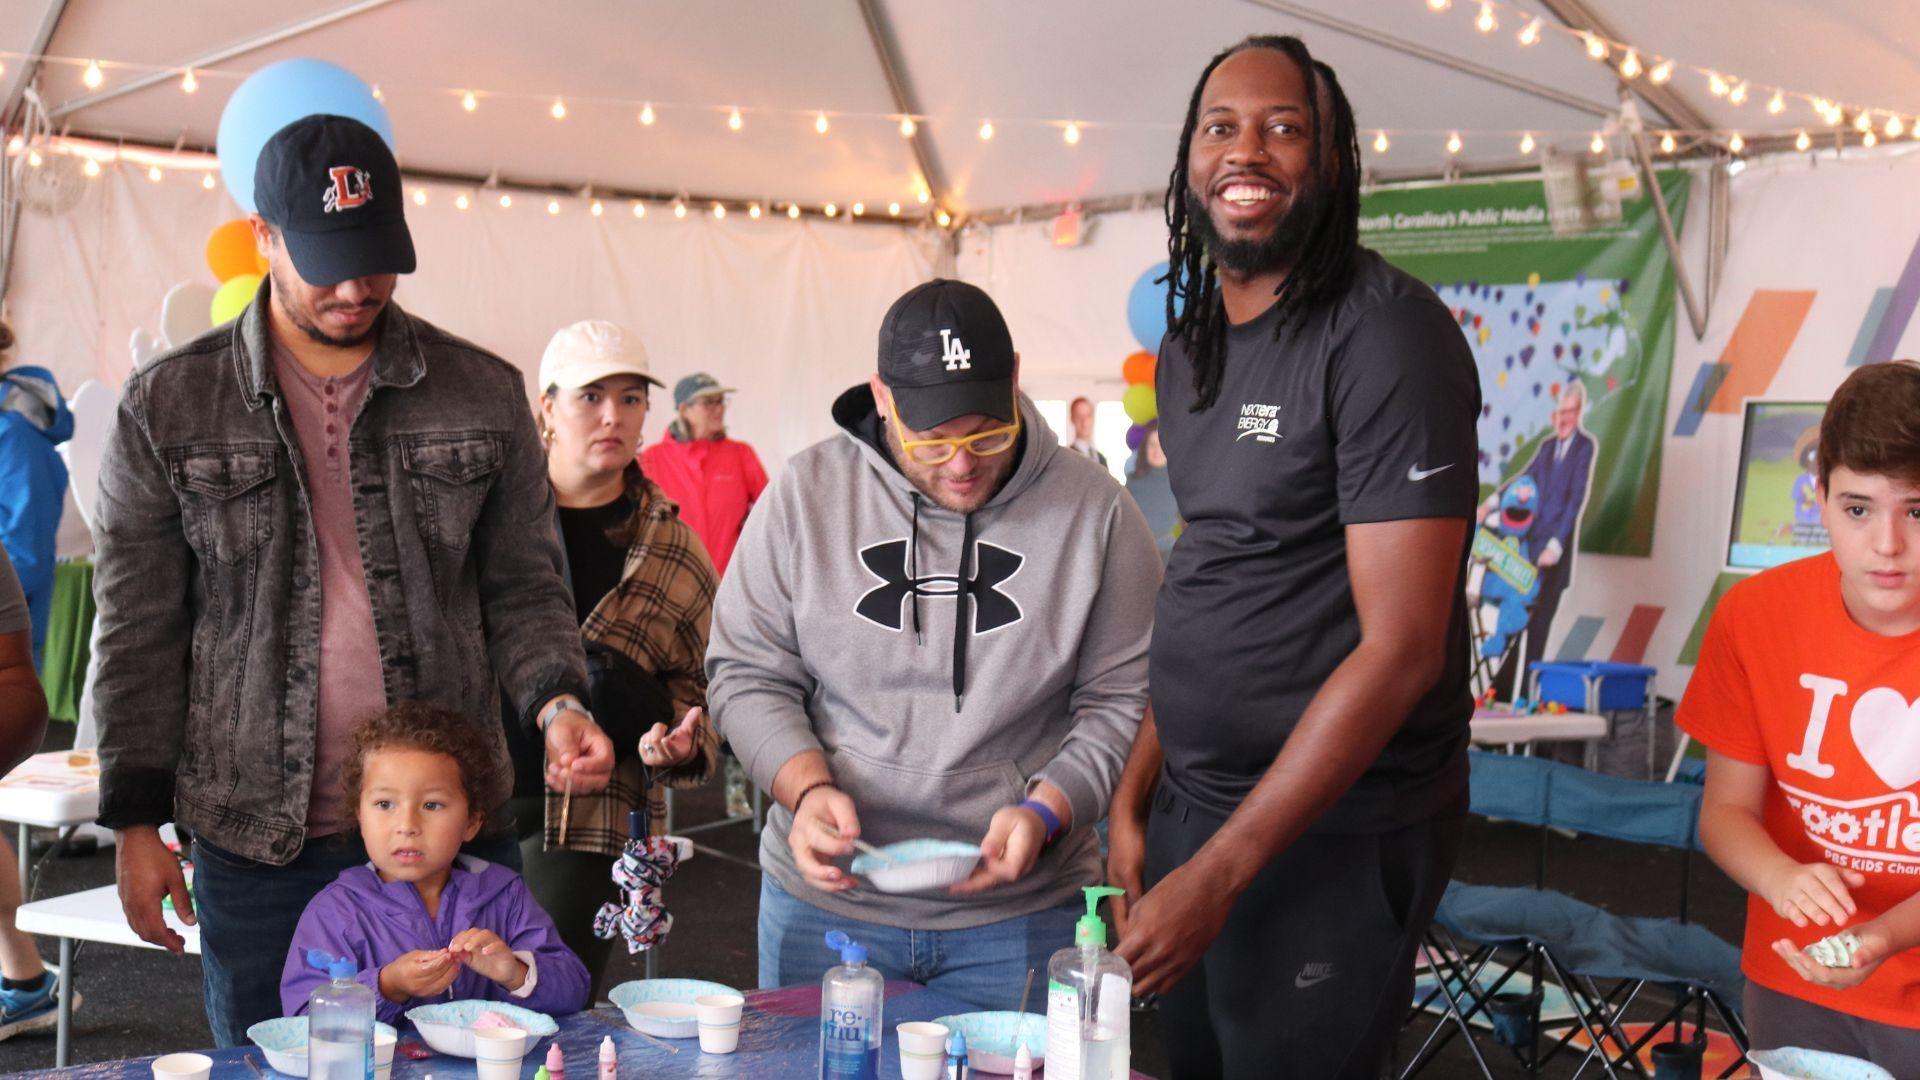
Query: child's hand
[485, 953]
[1874, 947]
[1814, 894]
[418, 974]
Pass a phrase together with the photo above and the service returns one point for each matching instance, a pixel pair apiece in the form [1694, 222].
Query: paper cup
[719, 1016]
[182, 1067]
[497, 1052]
[923, 1050]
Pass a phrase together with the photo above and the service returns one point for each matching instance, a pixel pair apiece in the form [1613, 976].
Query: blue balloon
[276, 96]
[1147, 308]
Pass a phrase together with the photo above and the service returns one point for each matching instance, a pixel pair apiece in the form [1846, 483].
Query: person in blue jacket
[34, 421]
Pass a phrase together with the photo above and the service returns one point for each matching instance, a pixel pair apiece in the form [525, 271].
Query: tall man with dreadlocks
[1295, 798]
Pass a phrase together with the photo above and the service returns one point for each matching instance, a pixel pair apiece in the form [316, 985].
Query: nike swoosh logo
[1301, 982]
[1416, 474]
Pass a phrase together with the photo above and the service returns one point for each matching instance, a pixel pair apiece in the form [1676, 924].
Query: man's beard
[304, 322]
[1278, 250]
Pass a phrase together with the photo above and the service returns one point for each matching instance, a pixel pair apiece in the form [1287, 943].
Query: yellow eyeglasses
[940, 451]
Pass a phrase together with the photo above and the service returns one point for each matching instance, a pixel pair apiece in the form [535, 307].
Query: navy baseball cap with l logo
[945, 352]
[332, 187]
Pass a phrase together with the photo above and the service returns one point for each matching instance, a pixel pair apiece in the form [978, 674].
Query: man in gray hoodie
[936, 627]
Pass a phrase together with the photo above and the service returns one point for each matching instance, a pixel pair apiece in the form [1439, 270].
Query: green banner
[1546, 312]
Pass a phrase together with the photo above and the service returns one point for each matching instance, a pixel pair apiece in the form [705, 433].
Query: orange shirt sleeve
[1718, 708]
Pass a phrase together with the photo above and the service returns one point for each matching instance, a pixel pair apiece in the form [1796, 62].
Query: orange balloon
[1139, 368]
[231, 251]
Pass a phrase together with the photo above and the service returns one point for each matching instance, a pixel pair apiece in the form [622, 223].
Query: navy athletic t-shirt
[1362, 412]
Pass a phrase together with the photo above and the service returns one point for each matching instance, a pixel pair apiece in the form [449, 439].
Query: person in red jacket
[714, 479]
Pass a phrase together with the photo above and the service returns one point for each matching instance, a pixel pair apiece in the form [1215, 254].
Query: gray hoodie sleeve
[1110, 685]
[757, 684]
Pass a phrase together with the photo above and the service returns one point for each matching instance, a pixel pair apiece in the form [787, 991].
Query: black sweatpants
[1312, 975]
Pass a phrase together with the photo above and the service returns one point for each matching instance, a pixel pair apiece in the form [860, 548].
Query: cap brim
[329, 258]
[593, 372]
[924, 408]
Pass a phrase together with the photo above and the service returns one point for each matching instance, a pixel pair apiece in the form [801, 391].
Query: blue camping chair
[1578, 943]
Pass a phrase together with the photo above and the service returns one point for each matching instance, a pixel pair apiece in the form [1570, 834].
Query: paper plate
[284, 1041]
[663, 1008]
[918, 865]
[993, 1038]
[448, 1026]
[1793, 1063]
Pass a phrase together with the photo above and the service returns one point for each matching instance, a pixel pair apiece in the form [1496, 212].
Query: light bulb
[1453, 142]
[506, 202]
[461, 202]
[820, 123]
[1630, 67]
[93, 76]
[907, 127]
[830, 210]
[859, 208]
[34, 159]
[1071, 134]
[596, 209]
[1530, 35]
[1736, 144]
[1802, 142]
[1777, 103]
[679, 209]
[469, 102]
[945, 219]
[924, 195]
[793, 210]
[639, 209]
[378, 94]
[893, 209]
[646, 115]
[1526, 142]
[1598, 145]
[1869, 140]
[559, 109]
[1661, 73]
[419, 196]
[188, 84]
[719, 211]
[734, 121]
[1380, 142]
[1666, 143]
[1596, 47]
[1895, 127]
[207, 181]
[553, 207]
[753, 211]
[986, 130]
[1717, 84]
[1486, 23]
[154, 174]
[1738, 95]
[1439, 5]
[91, 168]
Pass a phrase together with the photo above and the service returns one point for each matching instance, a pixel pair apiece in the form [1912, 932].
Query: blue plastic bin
[1622, 687]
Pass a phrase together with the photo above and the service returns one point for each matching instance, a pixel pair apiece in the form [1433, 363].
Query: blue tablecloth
[779, 1040]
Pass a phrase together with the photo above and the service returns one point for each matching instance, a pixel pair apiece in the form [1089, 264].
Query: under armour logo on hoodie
[992, 566]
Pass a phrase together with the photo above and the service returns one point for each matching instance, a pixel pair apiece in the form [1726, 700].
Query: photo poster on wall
[1776, 511]
[1572, 327]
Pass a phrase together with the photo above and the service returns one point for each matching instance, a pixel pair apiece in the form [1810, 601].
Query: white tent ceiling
[1123, 68]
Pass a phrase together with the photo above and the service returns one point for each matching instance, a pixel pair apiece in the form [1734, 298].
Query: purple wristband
[1047, 817]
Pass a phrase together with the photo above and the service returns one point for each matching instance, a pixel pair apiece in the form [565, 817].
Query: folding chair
[1578, 944]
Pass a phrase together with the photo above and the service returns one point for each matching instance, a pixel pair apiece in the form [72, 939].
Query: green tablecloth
[63, 670]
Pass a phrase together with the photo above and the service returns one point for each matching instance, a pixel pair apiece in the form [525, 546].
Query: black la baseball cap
[332, 187]
[945, 352]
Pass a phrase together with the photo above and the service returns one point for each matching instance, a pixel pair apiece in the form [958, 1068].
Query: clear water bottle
[1088, 993]
[850, 1001]
[339, 1022]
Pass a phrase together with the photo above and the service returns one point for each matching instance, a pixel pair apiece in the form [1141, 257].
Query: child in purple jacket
[423, 922]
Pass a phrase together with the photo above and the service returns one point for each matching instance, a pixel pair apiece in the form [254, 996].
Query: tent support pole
[1696, 316]
[218, 56]
[1668, 102]
[887, 52]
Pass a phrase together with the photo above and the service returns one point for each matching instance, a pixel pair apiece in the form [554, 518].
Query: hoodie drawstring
[913, 570]
[963, 589]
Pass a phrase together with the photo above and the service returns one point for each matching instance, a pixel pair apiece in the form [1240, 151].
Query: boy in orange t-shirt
[1807, 696]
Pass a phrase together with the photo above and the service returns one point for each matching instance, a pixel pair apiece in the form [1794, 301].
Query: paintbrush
[251, 1064]
[1022, 1040]
[566, 808]
[862, 846]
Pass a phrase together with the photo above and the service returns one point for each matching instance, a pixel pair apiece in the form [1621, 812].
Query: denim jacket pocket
[450, 476]
[226, 498]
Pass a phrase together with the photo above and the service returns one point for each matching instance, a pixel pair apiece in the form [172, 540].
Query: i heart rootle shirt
[1787, 680]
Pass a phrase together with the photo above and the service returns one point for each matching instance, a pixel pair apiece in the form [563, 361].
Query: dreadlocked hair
[1196, 313]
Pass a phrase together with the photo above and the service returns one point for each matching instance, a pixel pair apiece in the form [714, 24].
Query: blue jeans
[248, 911]
[984, 966]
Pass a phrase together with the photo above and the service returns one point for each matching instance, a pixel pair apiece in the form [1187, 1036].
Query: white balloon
[144, 346]
[185, 313]
[93, 406]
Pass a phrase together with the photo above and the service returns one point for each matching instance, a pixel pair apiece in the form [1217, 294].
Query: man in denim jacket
[321, 510]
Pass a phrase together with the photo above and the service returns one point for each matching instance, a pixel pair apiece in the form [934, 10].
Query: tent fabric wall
[786, 311]
[1843, 230]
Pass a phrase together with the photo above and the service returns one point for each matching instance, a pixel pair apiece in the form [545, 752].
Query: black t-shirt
[1363, 412]
[594, 562]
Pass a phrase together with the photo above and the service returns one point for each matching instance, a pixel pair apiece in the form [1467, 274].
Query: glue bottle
[957, 1067]
[339, 1022]
[1089, 991]
[556, 1061]
[609, 1059]
[850, 1004]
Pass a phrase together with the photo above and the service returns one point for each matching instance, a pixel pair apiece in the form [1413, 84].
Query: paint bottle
[556, 1062]
[609, 1059]
[851, 996]
[1023, 1064]
[957, 1056]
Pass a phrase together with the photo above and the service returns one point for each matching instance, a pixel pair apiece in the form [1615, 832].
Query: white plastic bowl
[993, 1038]
[663, 1008]
[918, 865]
[284, 1042]
[448, 1026]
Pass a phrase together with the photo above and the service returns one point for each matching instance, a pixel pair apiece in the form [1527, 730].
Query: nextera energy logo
[1260, 421]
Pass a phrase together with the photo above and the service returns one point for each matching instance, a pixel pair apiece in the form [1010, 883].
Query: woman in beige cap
[643, 589]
